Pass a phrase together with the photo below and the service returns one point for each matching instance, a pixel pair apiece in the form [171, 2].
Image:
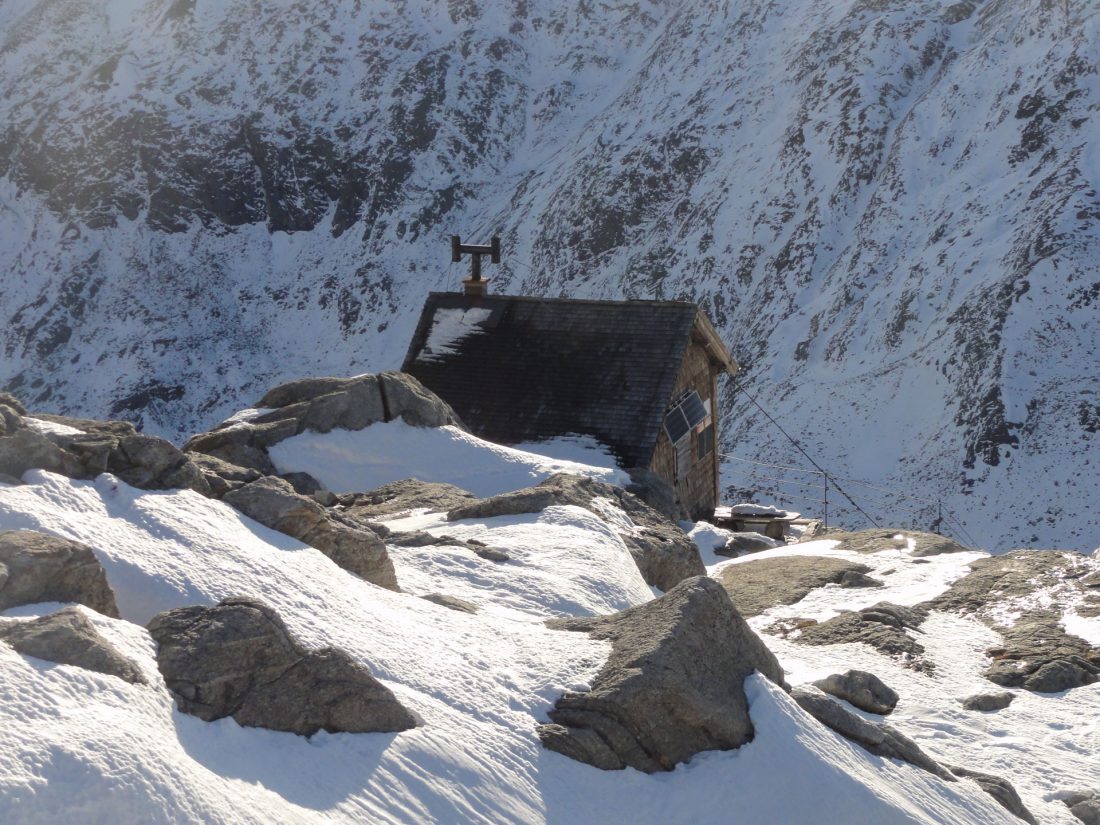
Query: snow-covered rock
[238, 659]
[67, 637]
[38, 567]
[478, 684]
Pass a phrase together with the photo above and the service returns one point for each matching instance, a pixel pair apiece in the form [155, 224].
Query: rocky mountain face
[888, 208]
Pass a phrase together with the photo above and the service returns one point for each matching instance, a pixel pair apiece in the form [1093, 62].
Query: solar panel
[676, 425]
[688, 412]
[693, 408]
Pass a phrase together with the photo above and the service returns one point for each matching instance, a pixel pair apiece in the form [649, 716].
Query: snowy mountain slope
[90, 746]
[889, 209]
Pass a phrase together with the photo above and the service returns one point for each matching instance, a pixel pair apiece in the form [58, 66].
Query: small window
[704, 442]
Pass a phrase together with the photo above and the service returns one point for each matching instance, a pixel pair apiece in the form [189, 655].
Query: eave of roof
[707, 335]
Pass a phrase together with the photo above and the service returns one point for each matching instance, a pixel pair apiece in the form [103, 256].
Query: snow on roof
[449, 327]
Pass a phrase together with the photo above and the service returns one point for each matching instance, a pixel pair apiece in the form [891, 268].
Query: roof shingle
[522, 369]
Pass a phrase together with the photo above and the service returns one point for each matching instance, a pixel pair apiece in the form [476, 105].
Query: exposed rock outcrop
[222, 476]
[1085, 805]
[273, 502]
[882, 626]
[353, 403]
[10, 420]
[36, 567]
[987, 702]
[93, 426]
[861, 689]
[1000, 789]
[69, 638]
[402, 496]
[451, 602]
[871, 541]
[143, 461]
[151, 463]
[760, 584]
[304, 484]
[559, 490]
[1036, 652]
[671, 688]
[10, 401]
[238, 659]
[23, 449]
[421, 538]
[404, 397]
[664, 554]
[321, 405]
[878, 738]
[1011, 576]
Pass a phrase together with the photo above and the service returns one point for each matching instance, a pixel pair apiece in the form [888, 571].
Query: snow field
[90, 748]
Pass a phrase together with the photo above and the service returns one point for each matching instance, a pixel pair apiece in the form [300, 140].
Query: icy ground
[76, 746]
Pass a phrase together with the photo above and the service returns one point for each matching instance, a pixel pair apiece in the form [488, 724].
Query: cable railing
[812, 490]
[825, 479]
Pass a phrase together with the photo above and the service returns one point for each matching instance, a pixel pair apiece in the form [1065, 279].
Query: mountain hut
[638, 376]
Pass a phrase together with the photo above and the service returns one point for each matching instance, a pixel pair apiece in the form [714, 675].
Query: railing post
[825, 519]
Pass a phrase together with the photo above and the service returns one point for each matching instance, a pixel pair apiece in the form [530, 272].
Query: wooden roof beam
[704, 333]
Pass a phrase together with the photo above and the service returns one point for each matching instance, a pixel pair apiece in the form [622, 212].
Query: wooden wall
[697, 488]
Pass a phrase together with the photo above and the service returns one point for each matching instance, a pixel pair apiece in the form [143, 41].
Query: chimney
[475, 286]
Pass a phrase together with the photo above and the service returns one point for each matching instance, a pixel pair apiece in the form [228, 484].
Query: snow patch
[449, 328]
[348, 461]
[50, 427]
[1086, 627]
[583, 449]
[246, 415]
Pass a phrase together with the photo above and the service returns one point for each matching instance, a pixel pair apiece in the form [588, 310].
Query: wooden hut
[638, 376]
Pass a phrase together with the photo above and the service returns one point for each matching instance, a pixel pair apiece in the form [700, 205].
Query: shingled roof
[520, 369]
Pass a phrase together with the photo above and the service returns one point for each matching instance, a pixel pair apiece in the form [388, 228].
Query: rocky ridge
[1037, 653]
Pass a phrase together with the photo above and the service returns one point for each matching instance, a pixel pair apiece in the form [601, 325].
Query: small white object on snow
[750, 509]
